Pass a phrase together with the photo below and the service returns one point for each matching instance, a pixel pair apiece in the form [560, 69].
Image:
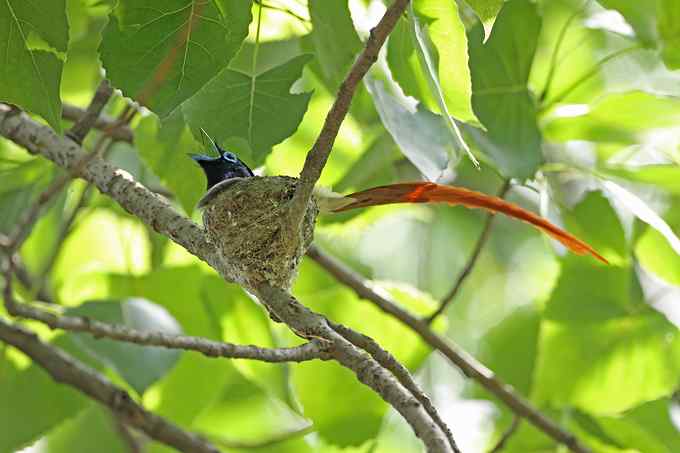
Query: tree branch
[66, 370]
[149, 207]
[467, 269]
[308, 351]
[83, 125]
[308, 324]
[461, 359]
[159, 214]
[104, 123]
[318, 155]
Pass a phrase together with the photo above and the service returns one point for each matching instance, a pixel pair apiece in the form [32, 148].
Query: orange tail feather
[427, 192]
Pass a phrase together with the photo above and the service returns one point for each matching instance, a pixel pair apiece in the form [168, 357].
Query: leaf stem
[584, 78]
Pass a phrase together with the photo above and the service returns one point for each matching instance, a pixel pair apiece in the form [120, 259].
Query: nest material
[246, 221]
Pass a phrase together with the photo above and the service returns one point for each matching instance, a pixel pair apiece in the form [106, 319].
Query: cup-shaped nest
[246, 220]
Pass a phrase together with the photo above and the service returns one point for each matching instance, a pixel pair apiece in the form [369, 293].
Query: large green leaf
[656, 254]
[615, 118]
[34, 40]
[94, 429]
[160, 54]
[421, 135]
[601, 347]
[140, 366]
[255, 111]
[449, 71]
[336, 43]
[486, 10]
[163, 146]
[501, 99]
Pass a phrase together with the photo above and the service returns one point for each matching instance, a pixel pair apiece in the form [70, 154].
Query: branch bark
[458, 357]
[104, 123]
[318, 156]
[65, 369]
[159, 214]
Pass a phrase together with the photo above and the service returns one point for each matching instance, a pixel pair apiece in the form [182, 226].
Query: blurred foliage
[577, 101]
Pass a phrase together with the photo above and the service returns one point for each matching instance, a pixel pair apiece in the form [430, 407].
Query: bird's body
[245, 216]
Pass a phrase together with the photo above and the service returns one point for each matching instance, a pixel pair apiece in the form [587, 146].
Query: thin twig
[318, 156]
[500, 445]
[458, 357]
[470, 264]
[104, 123]
[584, 78]
[399, 371]
[66, 370]
[87, 121]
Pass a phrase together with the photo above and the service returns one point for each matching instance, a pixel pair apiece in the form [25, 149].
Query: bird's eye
[230, 157]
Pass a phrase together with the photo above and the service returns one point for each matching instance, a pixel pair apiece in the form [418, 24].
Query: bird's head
[218, 169]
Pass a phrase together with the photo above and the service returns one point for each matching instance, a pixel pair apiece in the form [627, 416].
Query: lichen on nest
[246, 220]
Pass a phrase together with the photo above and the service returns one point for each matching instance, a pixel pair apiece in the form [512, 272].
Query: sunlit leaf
[666, 177]
[336, 43]
[643, 212]
[421, 135]
[486, 10]
[500, 96]
[616, 118]
[259, 111]
[139, 365]
[160, 54]
[35, 38]
[164, 146]
[656, 255]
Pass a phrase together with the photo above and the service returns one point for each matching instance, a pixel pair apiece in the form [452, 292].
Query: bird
[226, 171]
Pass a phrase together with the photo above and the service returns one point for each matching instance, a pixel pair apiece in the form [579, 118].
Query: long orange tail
[427, 192]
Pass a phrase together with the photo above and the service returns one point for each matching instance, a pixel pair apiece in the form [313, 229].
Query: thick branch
[65, 369]
[465, 362]
[318, 155]
[151, 208]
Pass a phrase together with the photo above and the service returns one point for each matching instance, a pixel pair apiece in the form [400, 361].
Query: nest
[245, 219]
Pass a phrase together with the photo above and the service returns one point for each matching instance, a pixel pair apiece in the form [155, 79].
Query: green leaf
[35, 38]
[163, 146]
[486, 10]
[30, 394]
[616, 118]
[421, 135]
[656, 255]
[404, 65]
[669, 31]
[647, 428]
[510, 349]
[258, 111]
[500, 96]
[666, 177]
[439, 20]
[607, 366]
[336, 43]
[161, 54]
[94, 429]
[640, 15]
[457, 95]
[606, 235]
[140, 366]
[643, 212]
